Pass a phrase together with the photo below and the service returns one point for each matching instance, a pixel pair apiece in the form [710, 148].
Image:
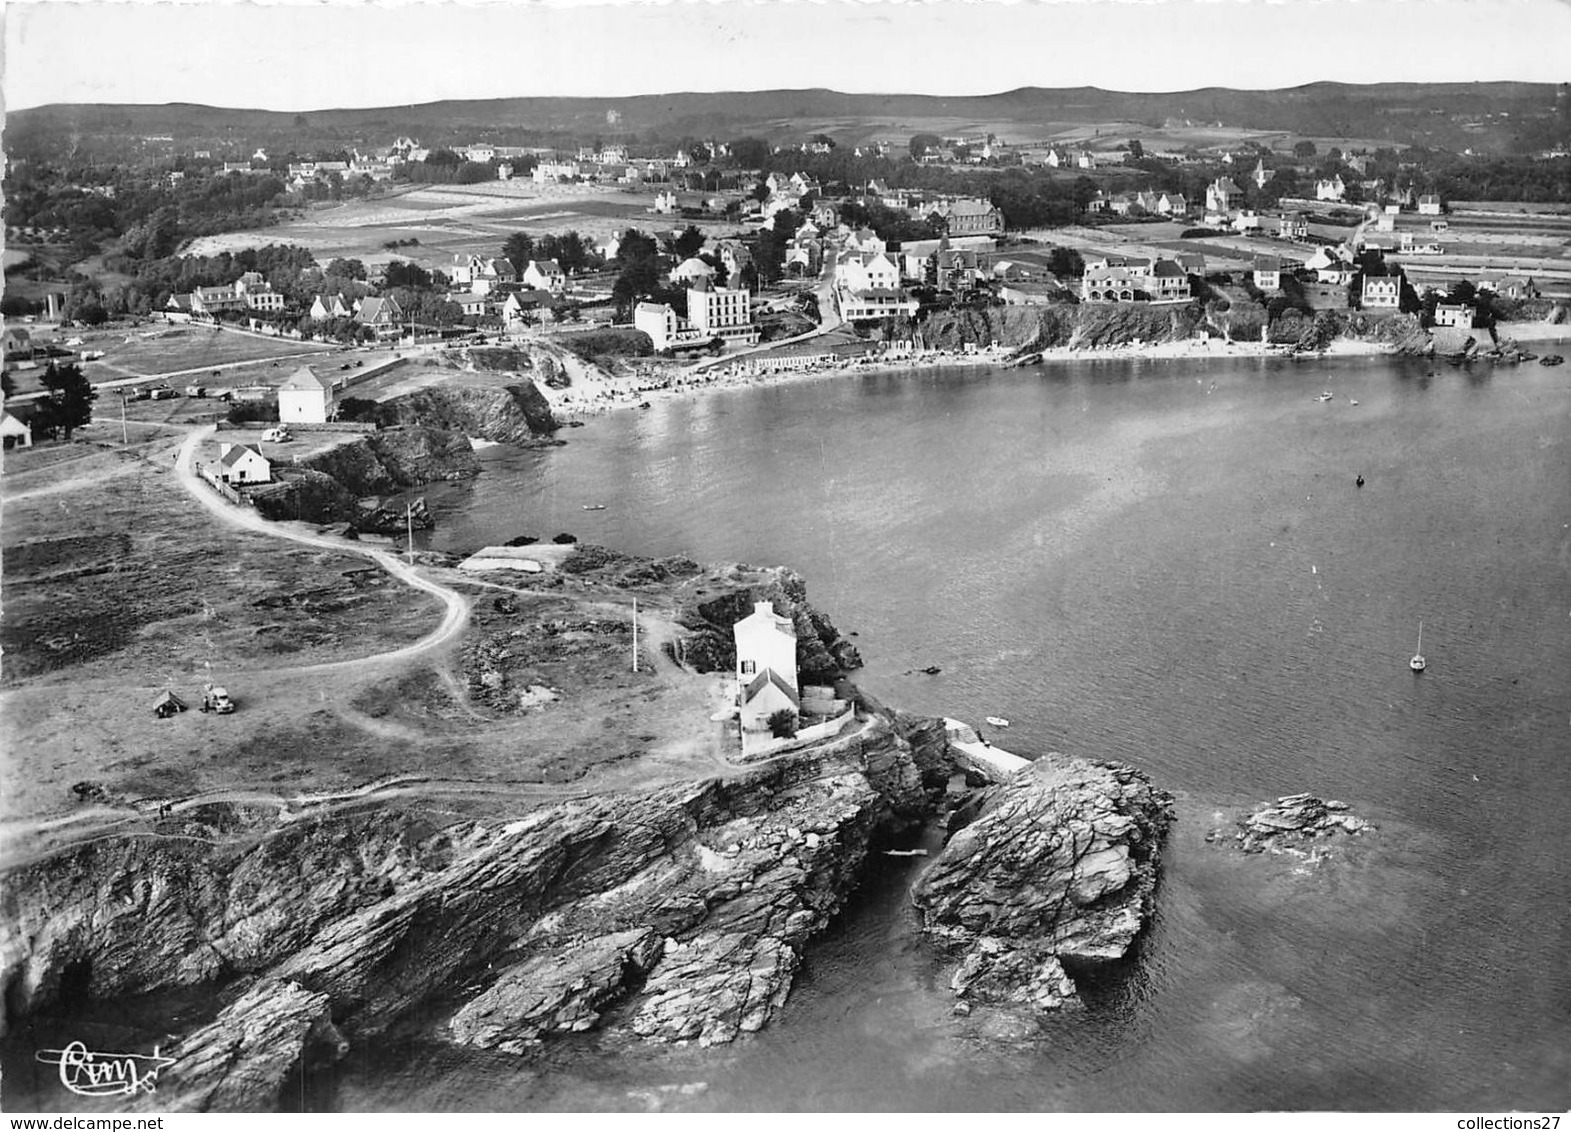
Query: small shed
[168, 704]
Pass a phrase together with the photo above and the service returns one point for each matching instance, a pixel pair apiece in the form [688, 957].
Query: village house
[865, 240]
[522, 306]
[1108, 284]
[664, 326]
[766, 680]
[323, 309]
[482, 274]
[544, 275]
[15, 432]
[1381, 292]
[1085, 159]
[240, 464]
[1511, 287]
[1332, 190]
[1222, 194]
[1172, 204]
[18, 343]
[258, 293]
[1168, 283]
[734, 256]
[306, 397]
[1429, 205]
[967, 216]
[1268, 273]
[1459, 315]
[1055, 159]
[1292, 227]
[213, 300]
[955, 269]
[866, 271]
[381, 314]
[691, 270]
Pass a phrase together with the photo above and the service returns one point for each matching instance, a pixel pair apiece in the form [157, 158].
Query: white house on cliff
[765, 667]
[306, 398]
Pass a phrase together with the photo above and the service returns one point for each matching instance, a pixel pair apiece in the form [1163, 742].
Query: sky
[306, 56]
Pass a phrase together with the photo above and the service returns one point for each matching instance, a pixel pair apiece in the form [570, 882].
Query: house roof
[374, 308]
[11, 425]
[764, 679]
[1168, 269]
[693, 265]
[1225, 185]
[544, 267]
[237, 452]
[1267, 263]
[307, 378]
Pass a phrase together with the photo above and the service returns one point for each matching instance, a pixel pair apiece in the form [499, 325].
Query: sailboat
[1417, 663]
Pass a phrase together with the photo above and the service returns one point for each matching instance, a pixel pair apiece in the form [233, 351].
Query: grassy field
[175, 348]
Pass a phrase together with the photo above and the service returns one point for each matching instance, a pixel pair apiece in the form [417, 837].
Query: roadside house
[306, 398]
[243, 464]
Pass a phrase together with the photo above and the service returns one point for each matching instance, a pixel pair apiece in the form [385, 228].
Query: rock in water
[1061, 864]
[1277, 827]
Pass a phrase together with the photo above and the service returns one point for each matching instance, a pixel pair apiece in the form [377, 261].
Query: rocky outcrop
[257, 1045]
[714, 602]
[679, 914]
[1059, 866]
[517, 413]
[1290, 823]
[1028, 329]
[326, 487]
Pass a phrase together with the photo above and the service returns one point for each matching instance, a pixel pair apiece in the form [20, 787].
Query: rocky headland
[1051, 872]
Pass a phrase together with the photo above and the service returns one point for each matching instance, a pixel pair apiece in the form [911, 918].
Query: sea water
[1167, 564]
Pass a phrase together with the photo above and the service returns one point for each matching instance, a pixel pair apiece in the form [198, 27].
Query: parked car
[164, 394]
[141, 394]
[196, 391]
[278, 435]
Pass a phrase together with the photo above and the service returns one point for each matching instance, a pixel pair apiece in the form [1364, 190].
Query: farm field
[449, 220]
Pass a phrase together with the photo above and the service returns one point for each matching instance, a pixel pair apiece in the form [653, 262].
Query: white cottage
[243, 464]
[765, 667]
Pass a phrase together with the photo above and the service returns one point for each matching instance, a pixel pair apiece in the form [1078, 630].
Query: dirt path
[457, 609]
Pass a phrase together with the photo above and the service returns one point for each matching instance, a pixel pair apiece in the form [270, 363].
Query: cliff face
[517, 413]
[1025, 329]
[678, 914]
[1060, 865]
[325, 487]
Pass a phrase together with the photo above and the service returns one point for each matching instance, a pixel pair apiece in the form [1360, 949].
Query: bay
[1167, 564]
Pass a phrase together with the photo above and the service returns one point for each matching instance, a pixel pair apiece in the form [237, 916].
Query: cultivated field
[448, 220]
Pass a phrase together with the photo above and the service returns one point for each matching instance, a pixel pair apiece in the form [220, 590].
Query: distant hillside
[1485, 116]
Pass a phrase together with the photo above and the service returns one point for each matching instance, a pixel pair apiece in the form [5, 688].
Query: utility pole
[409, 525]
[635, 634]
[123, 439]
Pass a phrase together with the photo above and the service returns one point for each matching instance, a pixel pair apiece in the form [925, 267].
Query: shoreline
[577, 403]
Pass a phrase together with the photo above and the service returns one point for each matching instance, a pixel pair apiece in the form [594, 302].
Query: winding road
[456, 614]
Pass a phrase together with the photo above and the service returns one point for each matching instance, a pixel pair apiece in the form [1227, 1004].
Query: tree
[1304, 150]
[1136, 150]
[824, 139]
[347, 269]
[921, 143]
[782, 724]
[689, 242]
[7, 386]
[69, 405]
[750, 152]
[519, 250]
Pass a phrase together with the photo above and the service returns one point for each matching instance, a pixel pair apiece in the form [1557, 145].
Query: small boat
[1550, 360]
[997, 721]
[1359, 482]
[1418, 663]
[1353, 402]
[594, 506]
[1326, 396]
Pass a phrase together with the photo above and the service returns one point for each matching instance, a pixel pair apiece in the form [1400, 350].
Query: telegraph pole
[409, 525]
[635, 634]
